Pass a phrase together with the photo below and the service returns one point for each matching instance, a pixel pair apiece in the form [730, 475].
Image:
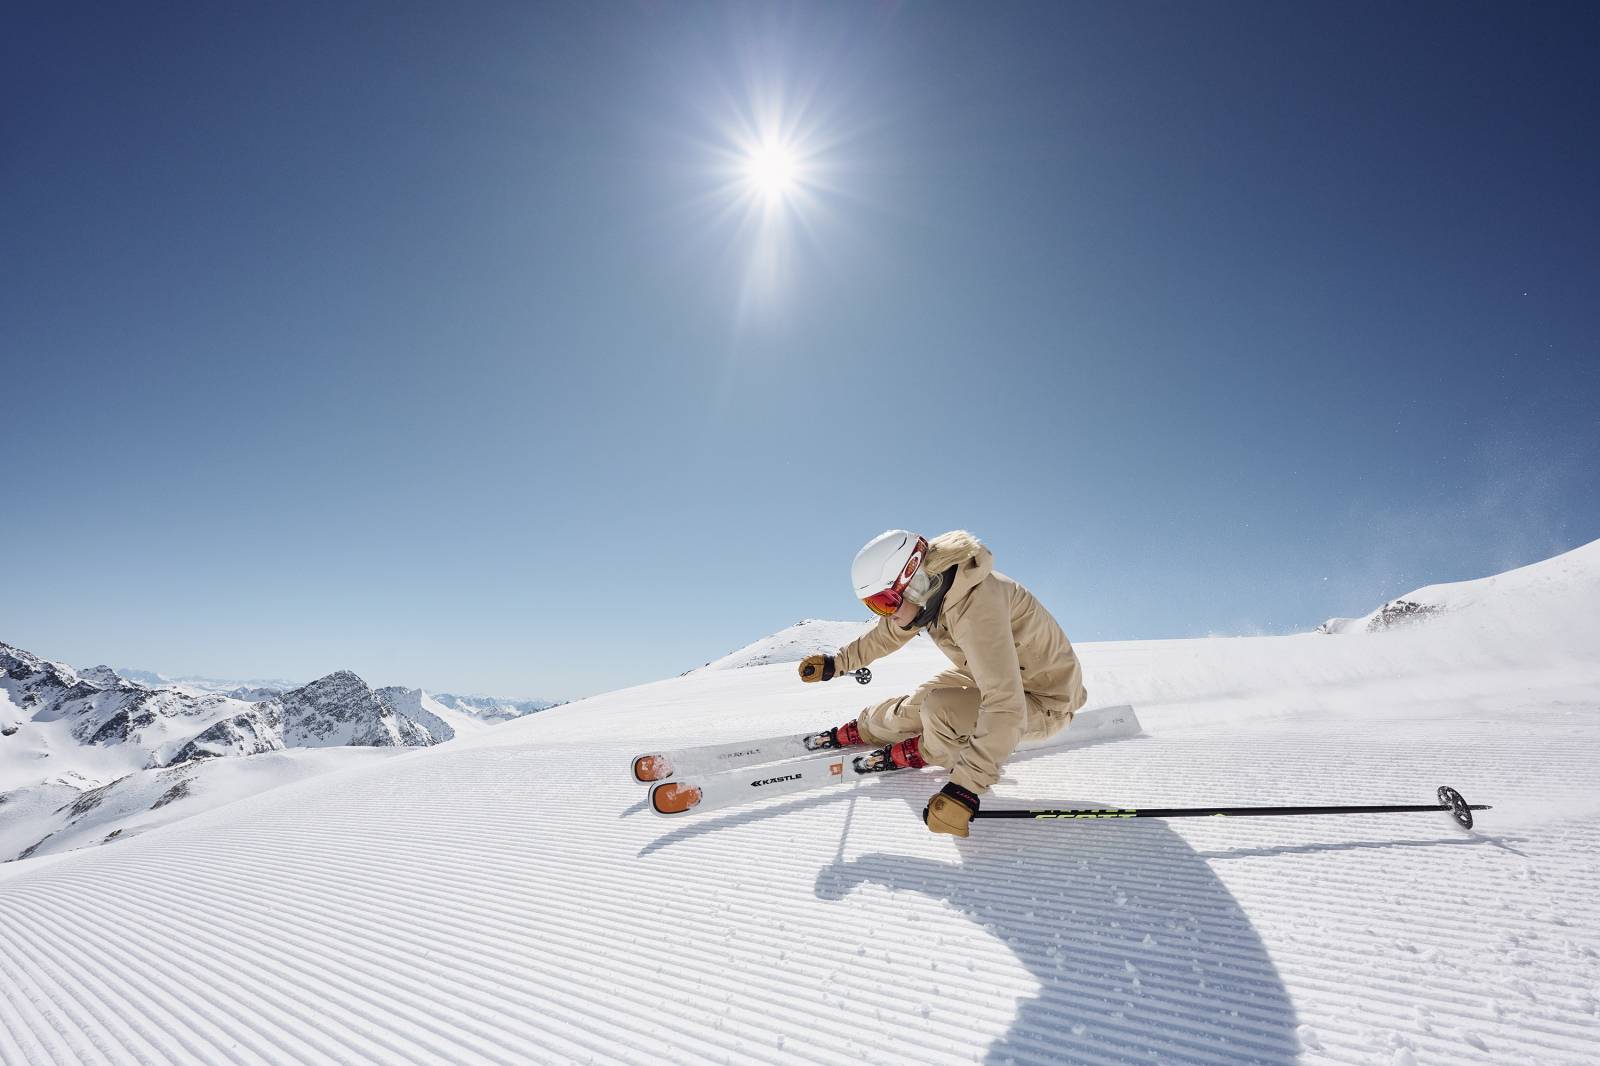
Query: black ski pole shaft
[1449, 800]
[1214, 812]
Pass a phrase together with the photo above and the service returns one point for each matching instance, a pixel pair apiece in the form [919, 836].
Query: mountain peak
[336, 684]
[101, 675]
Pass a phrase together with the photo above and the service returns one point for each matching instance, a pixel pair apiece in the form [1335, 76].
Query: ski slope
[505, 898]
[792, 644]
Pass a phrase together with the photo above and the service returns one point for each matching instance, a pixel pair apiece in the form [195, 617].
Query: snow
[506, 898]
[63, 819]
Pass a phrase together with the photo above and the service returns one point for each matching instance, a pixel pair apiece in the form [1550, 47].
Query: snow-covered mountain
[82, 751]
[160, 726]
[334, 711]
[1528, 591]
[62, 709]
[545, 917]
[790, 645]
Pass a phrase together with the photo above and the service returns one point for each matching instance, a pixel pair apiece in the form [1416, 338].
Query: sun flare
[772, 170]
[774, 164]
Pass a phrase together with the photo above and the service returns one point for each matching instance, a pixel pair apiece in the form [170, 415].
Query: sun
[772, 170]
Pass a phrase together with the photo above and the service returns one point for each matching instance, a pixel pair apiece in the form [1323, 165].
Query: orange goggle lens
[884, 604]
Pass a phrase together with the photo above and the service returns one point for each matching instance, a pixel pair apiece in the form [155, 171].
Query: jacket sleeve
[983, 631]
[875, 643]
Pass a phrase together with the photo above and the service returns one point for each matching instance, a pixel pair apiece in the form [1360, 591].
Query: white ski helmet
[884, 568]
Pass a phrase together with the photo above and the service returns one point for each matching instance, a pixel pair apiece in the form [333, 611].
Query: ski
[653, 766]
[730, 788]
[713, 758]
[696, 794]
[679, 763]
[1090, 727]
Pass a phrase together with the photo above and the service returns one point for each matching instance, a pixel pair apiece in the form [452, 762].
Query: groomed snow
[505, 897]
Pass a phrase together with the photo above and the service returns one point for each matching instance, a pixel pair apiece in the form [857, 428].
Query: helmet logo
[911, 567]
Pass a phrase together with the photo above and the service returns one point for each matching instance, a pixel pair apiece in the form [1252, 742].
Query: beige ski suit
[1016, 677]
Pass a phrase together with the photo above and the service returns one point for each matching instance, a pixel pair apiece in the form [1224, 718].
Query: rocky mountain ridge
[100, 707]
[81, 749]
[172, 725]
[338, 710]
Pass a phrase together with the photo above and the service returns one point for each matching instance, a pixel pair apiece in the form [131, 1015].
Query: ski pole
[1449, 800]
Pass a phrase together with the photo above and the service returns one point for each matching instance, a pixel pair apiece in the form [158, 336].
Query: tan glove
[816, 668]
[950, 810]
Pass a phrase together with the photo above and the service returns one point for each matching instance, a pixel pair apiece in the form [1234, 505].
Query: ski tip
[672, 797]
[648, 768]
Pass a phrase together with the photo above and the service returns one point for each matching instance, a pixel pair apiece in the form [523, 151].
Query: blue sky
[447, 343]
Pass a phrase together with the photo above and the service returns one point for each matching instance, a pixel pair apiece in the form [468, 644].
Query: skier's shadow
[1140, 953]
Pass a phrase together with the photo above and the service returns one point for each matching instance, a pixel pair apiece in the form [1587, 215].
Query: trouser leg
[903, 717]
[949, 718]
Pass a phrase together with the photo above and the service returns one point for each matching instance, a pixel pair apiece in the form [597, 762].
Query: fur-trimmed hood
[962, 550]
[951, 549]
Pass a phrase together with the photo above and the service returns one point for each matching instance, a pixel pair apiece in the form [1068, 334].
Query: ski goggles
[884, 604]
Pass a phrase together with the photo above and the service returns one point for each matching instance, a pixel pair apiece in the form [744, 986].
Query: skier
[1016, 676]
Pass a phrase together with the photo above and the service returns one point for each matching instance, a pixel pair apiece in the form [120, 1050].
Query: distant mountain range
[492, 708]
[67, 734]
[201, 684]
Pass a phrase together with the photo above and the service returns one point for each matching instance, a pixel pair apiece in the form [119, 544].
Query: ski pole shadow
[1363, 845]
[1140, 953]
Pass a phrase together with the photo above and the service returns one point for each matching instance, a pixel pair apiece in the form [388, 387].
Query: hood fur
[951, 549]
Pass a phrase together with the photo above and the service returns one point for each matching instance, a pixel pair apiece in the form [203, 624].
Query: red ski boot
[841, 736]
[901, 755]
